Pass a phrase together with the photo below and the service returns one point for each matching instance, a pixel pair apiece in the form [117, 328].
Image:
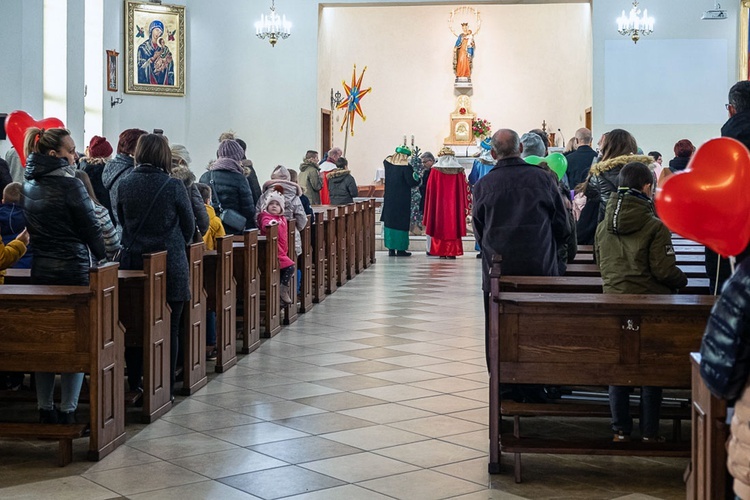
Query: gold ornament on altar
[462, 119]
[464, 23]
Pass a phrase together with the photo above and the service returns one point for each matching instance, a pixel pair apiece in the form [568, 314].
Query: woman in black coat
[229, 188]
[168, 225]
[62, 224]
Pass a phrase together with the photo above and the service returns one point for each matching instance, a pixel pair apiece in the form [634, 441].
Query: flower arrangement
[481, 128]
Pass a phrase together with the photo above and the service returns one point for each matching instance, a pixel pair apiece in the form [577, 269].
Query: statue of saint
[463, 53]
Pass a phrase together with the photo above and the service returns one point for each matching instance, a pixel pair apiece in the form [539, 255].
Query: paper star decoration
[351, 104]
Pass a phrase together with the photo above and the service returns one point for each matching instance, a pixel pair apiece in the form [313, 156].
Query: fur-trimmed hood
[340, 172]
[184, 174]
[290, 188]
[619, 161]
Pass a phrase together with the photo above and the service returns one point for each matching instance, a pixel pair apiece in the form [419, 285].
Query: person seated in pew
[272, 213]
[635, 255]
[156, 215]
[215, 230]
[12, 222]
[62, 223]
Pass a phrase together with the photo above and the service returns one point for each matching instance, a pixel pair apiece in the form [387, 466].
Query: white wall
[675, 20]
[532, 63]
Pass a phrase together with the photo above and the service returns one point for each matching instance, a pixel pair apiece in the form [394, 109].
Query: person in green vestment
[399, 179]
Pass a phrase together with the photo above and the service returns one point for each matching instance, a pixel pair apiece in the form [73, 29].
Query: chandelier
[272, 26]
[634, 26]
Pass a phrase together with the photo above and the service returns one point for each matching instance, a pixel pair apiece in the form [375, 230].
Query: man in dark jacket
[737, 127]
[519, 215]
[580, 160]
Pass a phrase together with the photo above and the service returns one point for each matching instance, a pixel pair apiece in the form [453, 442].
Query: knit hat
[99, 147]
[181, 152]
[230, 149]
[272, 195]
[532, 145]
[281, 172]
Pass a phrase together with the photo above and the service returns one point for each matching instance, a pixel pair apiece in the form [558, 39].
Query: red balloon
[18, 122]
[710, 201]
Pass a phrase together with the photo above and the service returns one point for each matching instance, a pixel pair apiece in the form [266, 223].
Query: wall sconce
[114, 101]
[336, 99]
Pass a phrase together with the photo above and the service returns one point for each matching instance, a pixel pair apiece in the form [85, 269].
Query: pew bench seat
[64, 434]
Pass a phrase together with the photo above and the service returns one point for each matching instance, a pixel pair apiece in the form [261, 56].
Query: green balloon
[533, 160]
[557, 163]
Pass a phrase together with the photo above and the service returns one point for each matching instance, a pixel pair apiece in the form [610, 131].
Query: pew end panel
[69, 329]
[248, 287]
[226, 303]
[268, 258]
[289, 312]
[306, 262]
[194, 325]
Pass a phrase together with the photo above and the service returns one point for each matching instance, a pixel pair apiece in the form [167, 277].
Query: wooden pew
[681, 258]
[343, 246]
[245, 251]
[708, 478]
[218, 276]
[682, 247]
[328, 216]
[194, 319]
[305, 262]
[351, 240]
[268, 261]
[319, 259]
[359, 245]
[592, 270]
[289, 311]
[577, 284]
[587, 339]
[146, 316]
[370, 234]
[69, 329]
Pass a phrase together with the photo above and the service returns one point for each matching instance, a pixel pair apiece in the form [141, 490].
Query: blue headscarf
[155, 24]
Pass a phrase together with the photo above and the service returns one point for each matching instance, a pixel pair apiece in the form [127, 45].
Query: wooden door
[326, 131]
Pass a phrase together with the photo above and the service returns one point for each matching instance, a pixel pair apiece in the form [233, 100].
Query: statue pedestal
[462, 83]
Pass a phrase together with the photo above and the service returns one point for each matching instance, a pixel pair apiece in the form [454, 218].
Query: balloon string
[718, 267]
[732, 263]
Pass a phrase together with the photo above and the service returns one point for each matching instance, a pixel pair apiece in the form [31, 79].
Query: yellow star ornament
[354, 94]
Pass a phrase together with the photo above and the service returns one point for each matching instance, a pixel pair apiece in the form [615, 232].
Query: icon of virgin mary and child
[155, 63]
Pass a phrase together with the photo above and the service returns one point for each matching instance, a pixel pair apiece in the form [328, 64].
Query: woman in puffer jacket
[62, 224]
[619, 149]
[725, 367]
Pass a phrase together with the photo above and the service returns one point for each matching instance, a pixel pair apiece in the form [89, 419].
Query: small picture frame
[154, 49]
[744, 41]
[112, 70]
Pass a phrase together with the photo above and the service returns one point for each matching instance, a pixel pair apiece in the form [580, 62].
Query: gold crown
[446, 151]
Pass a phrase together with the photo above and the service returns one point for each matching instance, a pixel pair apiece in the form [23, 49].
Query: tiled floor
[379, 392]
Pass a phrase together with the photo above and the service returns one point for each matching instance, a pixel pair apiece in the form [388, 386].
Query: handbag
[231, 218]
[123, 253]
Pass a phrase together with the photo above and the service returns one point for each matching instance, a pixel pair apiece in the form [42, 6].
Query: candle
[412, 141]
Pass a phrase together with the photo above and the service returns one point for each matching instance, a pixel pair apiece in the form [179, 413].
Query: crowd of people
[64, 212]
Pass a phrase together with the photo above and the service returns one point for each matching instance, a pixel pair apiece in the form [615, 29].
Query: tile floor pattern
[379, 392]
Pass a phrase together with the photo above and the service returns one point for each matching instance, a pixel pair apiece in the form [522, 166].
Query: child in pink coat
[272, 213]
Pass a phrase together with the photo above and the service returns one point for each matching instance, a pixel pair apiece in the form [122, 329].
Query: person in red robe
[447, 203]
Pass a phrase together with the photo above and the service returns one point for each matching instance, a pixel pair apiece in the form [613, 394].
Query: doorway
[326, 131]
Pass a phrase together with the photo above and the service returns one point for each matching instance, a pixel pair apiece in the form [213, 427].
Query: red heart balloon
[18, 122]
[710, 201]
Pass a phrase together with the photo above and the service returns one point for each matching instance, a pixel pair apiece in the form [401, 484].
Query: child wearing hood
[272, 213]
[281, 182]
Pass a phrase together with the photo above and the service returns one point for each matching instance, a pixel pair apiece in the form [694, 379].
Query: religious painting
[112, 70]
[744, 48]
[154, 49]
